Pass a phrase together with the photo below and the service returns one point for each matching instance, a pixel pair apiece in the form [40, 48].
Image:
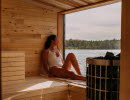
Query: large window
[93, 32]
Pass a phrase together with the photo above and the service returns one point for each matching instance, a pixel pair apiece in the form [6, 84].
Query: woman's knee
[71, 54]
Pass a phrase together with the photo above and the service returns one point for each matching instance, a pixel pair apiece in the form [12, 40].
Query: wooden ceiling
[66, 5]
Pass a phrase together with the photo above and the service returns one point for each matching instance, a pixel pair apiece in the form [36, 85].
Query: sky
[100, 23]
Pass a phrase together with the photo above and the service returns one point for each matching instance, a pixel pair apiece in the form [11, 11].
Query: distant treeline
[99, 44]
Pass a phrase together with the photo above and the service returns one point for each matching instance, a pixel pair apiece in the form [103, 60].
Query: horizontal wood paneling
[15, 73]
[12, 54]
[12, 82]
[13, 64]
[16, 59]
[13, 78]
[25, 28]
[13, 67]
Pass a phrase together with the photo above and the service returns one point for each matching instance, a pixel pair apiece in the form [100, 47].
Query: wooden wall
[25, 28]
[125, 52]
[12, 67]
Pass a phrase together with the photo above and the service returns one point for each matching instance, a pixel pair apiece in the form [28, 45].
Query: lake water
[82, 54]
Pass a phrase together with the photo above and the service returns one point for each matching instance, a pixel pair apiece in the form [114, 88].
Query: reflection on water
[82, 54]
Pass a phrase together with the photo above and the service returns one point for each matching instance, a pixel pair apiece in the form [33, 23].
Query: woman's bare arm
[63, 61]
[61, 55]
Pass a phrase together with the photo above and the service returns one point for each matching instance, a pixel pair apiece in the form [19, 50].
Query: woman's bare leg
[71, 59]
[72, 75]
[64, 73]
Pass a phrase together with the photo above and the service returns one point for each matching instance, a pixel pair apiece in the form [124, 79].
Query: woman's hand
[63, 61]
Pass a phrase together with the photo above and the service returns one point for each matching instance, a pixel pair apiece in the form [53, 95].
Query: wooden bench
[16, 87]
[43, 88]
[36, 87]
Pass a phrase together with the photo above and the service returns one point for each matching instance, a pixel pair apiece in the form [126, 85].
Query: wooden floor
[40, 88]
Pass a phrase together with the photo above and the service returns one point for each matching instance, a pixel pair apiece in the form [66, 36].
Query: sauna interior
[25, 27]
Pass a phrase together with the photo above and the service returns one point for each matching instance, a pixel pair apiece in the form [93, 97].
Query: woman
[53, 63]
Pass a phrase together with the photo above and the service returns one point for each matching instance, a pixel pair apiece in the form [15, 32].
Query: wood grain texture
[43, 5]
[61, 5]
[96, 3]
[13, 67]
[68, 2]
[37, 87]
[60, 31]
[77, 92]
[125, 52]
[25, 27]
[56, 96]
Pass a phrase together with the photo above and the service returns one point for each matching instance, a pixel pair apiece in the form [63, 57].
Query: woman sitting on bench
[54, 64]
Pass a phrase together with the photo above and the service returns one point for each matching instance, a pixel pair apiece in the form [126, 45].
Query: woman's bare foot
[82, 78]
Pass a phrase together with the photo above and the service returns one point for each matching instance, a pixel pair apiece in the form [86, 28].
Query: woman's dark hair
[49, 40]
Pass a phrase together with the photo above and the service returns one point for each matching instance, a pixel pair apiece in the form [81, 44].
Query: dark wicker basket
[102, 79]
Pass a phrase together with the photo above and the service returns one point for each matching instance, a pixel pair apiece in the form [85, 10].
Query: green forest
[98, 44]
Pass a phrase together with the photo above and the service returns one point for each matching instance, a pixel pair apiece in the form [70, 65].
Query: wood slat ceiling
[65, 5]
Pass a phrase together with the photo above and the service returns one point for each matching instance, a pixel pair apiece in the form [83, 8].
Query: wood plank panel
[16, 59]
[68, 3]
[31, 51]
[77, 96]
[60, 31]
[125, 49]
[33, 95]
[32, 36]
[62, 95]
[88, 1]
[93, 5]
[77, 88]
[25, 28]
[80, 2]
[45, 5]
[13, 64]
[19, 40]
[57, 4]
[23, 97]
[13, 78]
[11, 69]
[17, 13]
[55, 89]
[12, 82]
[75, 2]
[77, 92]
[12, 54]
[9, 74]
[17, 45]
[36, 83]
[38, 97]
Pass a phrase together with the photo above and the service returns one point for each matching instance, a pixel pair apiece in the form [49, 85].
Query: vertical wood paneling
[60, 31]
[125, 52]
[25, 28]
